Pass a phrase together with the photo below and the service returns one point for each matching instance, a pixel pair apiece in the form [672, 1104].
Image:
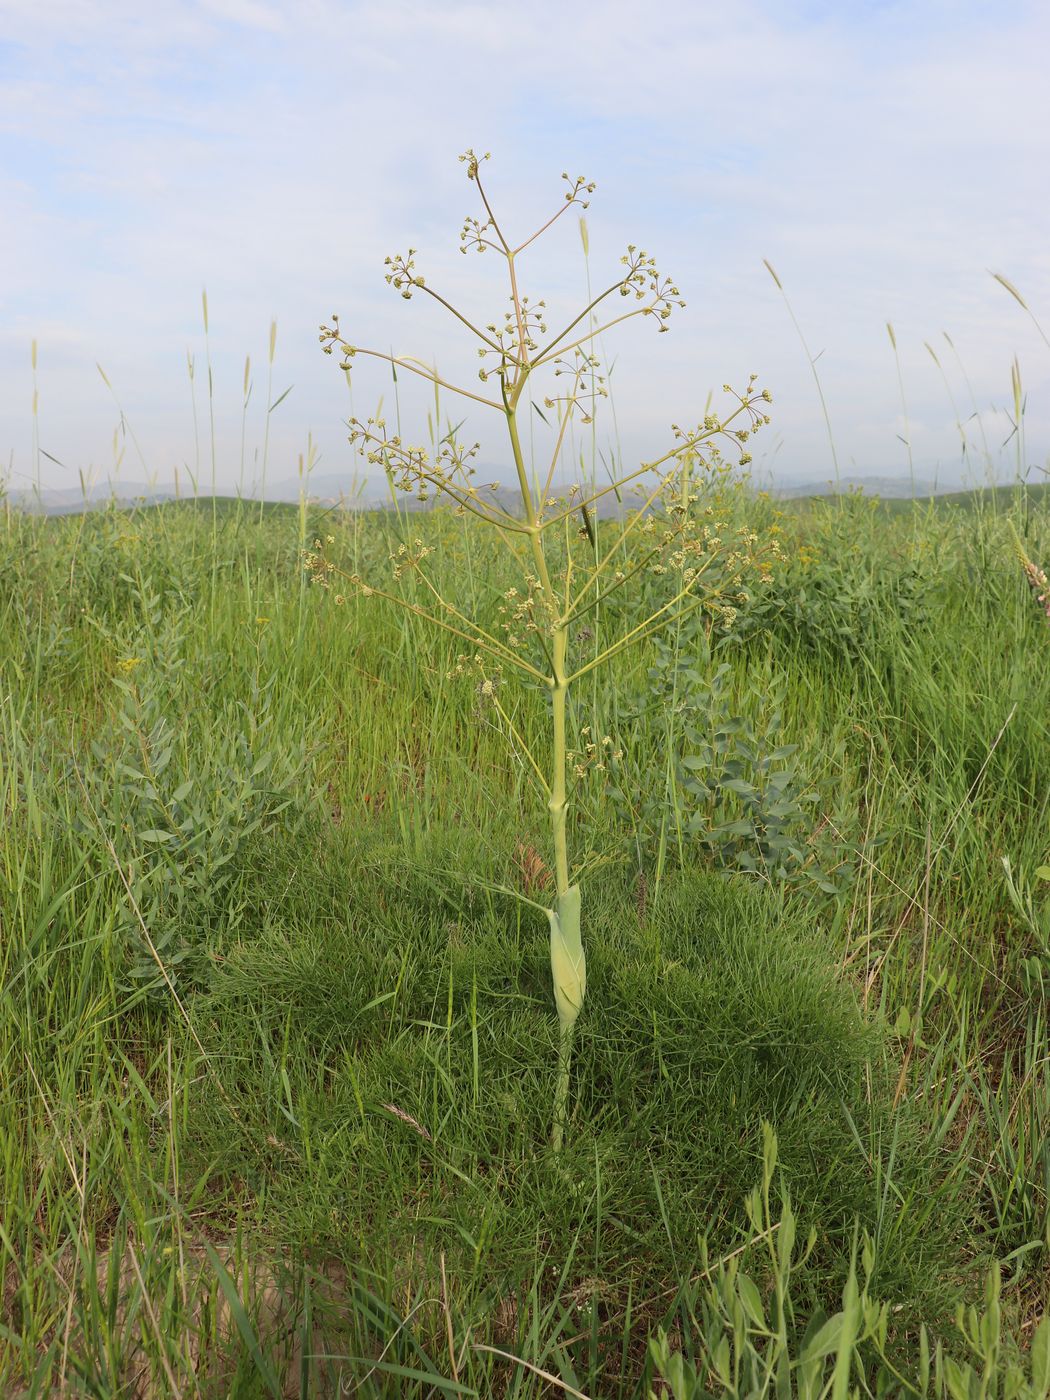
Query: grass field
[276, 1044]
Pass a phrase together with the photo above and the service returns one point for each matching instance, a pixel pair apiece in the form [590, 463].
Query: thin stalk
[545, 355]
[501, 652]
[211, 418]
[405, 362]
[988, 466]
[686, 446]
[1009, 286]
[190, 367]
[36, 424]
[536, 769]
[587, 311]
[447, 608]
[244, 415]
[269, 410]
[586, 245]
[812, 366]
[955, 407]
[643, 630]
[904, 404]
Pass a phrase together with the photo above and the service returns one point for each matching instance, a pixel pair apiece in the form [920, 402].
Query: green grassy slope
[276, 1056]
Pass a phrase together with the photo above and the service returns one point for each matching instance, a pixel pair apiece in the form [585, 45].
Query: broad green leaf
[826, 1339]
[742, 786]
[751, 1299]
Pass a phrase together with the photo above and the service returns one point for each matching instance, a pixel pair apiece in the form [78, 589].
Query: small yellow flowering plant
[571, 571]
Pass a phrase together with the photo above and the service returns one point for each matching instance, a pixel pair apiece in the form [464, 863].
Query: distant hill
[343, 490]
[71, 500]
[885, 487]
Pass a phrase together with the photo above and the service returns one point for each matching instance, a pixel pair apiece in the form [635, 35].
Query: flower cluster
[1035, 576]
[317, 564]
[528, 610]
[595, 754]
[642, 278]
[409, 556]
[330, 337]
[478, 234]
[466, 664]
[487, 677]
[752, 402]
[1039, 584]
[512, 341]
[412, 469]
[583, 368]
[474, 234]
[473, 162]
[402, 274]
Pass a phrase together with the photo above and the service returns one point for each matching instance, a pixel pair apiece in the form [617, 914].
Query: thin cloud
[882, 156]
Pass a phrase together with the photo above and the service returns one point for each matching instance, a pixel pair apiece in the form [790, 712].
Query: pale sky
[885, 157]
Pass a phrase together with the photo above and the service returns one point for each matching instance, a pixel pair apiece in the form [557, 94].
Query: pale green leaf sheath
[569, 972]
[568, 962]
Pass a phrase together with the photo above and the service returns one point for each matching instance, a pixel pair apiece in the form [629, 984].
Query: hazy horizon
[880, 155]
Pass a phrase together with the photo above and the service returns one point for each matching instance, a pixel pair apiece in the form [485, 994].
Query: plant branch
[506, 249]
[552, 220]
[503, 653]
[632, 524]
[523, 350]
[643, 629]
[574, 323]
[458, 315]
[570, 405]
[502, 520]
[575, 611]
[406, 362]
[447, 607]
[685, 446]
[521, 744]
[598, 330]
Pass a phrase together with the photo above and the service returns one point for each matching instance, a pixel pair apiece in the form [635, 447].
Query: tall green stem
[568, 964]
[558, 802]
[560, 649]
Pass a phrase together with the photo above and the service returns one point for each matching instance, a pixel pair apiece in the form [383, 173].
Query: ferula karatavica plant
[571, 570]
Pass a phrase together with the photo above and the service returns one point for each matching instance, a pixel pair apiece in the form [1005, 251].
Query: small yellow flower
[127, 664]
[261, 621]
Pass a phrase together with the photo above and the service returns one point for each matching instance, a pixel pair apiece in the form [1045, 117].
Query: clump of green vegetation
[741, 1346]
[314, 1151]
